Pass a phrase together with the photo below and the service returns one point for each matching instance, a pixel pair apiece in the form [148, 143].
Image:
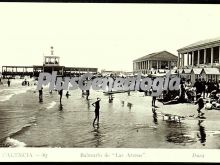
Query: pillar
[205, 56]
[198, 61]
[148, 65]
[212, 51]
[192, 58]
[157, 64]
[187, 58]
[178, 61]
[182, 59]
[219, 54]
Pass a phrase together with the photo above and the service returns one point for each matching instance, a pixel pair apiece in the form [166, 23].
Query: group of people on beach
[8, 82]
[96, 104]
[25, 83]
[204, 93]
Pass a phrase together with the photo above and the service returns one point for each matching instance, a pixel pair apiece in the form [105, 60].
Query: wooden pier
[51, 63]
[35, 70]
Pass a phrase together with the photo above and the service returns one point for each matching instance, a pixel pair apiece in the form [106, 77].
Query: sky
[106, 36]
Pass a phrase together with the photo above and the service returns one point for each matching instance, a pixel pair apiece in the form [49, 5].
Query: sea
[127, 121]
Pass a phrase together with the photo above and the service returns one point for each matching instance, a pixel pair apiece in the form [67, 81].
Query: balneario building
[202, 56]
[154, 62]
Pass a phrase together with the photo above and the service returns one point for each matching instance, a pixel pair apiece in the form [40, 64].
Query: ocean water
[127, 121]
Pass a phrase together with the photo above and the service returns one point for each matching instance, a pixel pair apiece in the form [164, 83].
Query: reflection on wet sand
[177, 133]
[97, 136]
[201, 135]
[60, 107]
[88, 104]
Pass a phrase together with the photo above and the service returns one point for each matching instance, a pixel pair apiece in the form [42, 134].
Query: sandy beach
[126, 122]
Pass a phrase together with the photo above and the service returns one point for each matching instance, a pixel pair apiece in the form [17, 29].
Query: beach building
[186, 74]
[210, 73]
[201, 54]
[196, 74]
[116, 73]
[152, 63]
[50, 63]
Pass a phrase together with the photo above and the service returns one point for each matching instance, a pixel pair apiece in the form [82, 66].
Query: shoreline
[117, 120]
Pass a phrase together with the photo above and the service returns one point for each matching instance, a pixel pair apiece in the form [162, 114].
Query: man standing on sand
[8, 82]
[87, 94]
[97, 107]
[41, 95]
[61, 94]
[200, 103]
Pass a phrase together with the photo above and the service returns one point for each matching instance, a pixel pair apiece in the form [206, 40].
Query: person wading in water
[97, 107]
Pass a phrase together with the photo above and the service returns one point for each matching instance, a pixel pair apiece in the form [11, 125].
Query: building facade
[202, 54]
[51, 63]
[154, 62]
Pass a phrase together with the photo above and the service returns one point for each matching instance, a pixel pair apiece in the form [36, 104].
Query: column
[148, 64]
[205, 56]
[192, 58]
[198, 61]
[219, 54]
[187, 58]
[182, 59]
[178, 61]
[157, 64]
[212, 51]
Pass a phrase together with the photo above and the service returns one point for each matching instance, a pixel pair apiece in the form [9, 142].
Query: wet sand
[127, 122]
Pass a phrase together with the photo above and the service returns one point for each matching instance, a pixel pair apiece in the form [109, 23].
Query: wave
[5, 98]
[51, 105]
[6, 94]
[10, 142]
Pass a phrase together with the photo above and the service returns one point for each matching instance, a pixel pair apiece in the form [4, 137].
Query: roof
[187, 71]
[197, 70]
[173, 71]
[212, 71]
[52, 56]
[162, 55]
[180, 70]
[159, 75]
[163, 70]
[200, 43]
